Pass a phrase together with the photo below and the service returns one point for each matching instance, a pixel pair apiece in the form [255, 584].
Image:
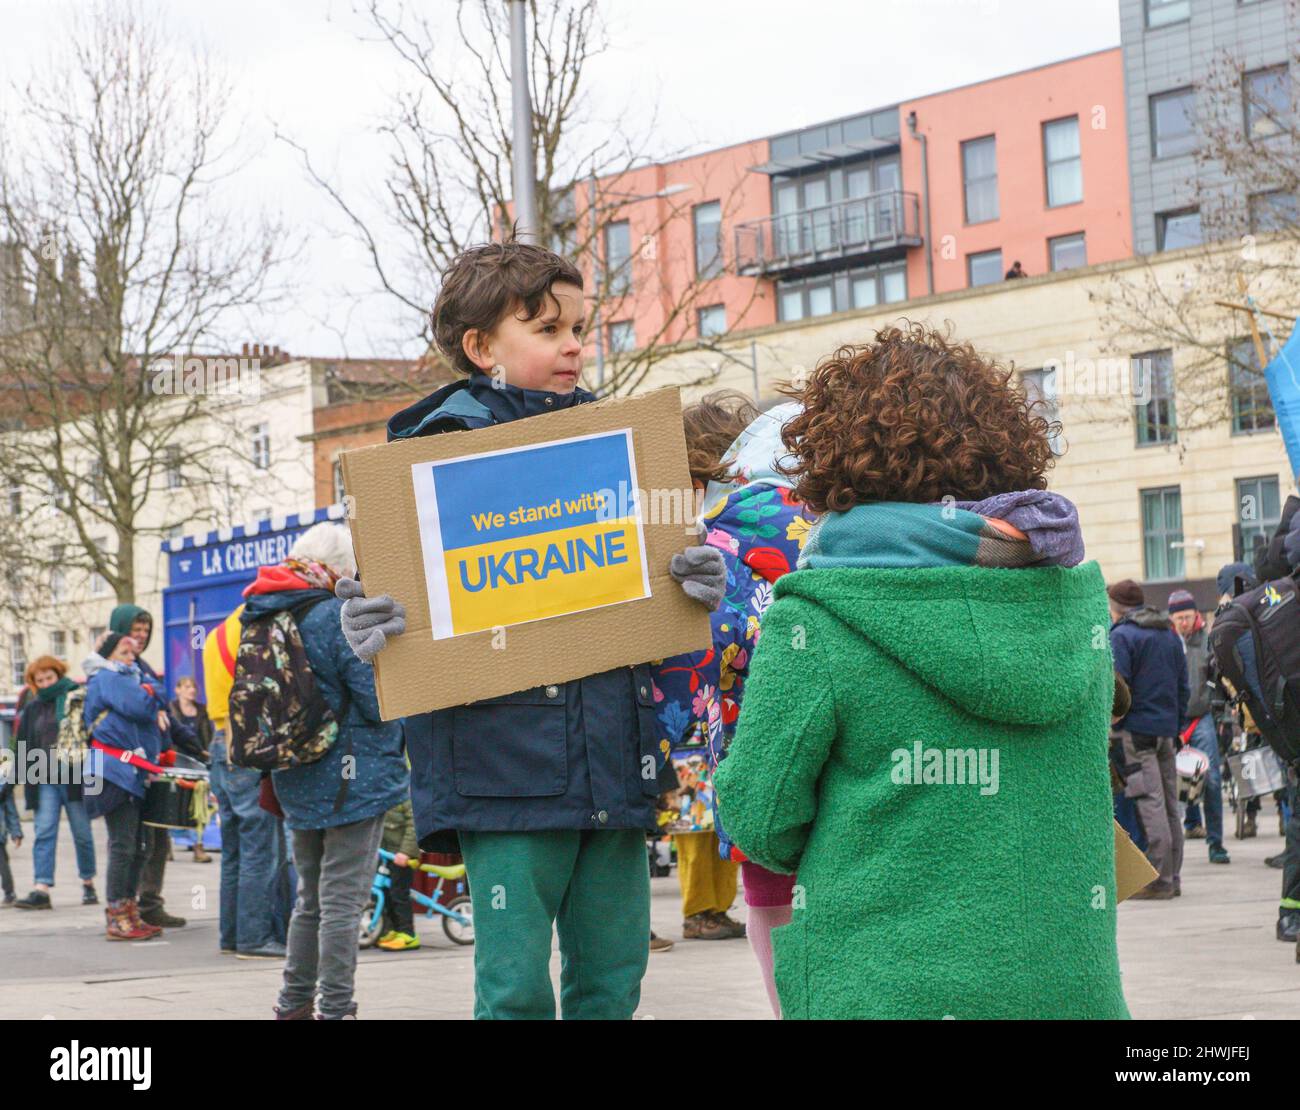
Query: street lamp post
[525, 177]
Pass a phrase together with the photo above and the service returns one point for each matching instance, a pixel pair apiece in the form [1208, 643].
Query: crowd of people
[896, 602]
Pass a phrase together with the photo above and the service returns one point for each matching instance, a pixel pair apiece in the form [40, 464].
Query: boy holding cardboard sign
[547, 791]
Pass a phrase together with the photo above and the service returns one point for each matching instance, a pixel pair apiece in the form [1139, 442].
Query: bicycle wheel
[456, 932]
[372, 921]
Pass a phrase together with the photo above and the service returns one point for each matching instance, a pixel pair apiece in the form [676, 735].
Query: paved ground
[1209, 954]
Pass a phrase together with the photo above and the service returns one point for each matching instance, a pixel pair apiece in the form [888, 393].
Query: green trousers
[594, 887]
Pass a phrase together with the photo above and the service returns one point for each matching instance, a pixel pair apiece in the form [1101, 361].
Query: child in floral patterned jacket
[760, 529]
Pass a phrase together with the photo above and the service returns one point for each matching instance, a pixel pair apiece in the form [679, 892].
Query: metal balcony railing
[848, 229]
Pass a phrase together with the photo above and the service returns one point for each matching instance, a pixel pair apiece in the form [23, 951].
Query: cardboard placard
[1133, 870]
[528, 553]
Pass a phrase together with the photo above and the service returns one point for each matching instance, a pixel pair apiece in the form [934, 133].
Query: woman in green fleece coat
[923, 737]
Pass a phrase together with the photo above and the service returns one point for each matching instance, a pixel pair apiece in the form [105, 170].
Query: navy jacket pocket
[515, 746]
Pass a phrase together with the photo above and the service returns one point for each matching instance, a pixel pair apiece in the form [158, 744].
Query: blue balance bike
[457, 914]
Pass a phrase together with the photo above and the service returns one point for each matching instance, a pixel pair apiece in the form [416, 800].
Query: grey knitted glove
[368, 622]
[702, 573]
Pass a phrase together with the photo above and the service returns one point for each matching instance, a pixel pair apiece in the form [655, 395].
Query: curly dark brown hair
[712, 424]
[913, 416]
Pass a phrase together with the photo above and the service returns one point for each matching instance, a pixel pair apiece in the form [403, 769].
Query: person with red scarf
[1190, 625]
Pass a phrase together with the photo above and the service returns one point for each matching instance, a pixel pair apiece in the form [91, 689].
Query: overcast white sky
[719, 71]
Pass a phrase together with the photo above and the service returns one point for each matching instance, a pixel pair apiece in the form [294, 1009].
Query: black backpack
[278, 717]
[1255, 642]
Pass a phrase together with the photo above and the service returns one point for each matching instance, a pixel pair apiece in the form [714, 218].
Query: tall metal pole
[595, 281]
[525, 177]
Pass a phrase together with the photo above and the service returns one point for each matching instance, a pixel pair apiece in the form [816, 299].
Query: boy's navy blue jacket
[587, 754]
[1149, 656]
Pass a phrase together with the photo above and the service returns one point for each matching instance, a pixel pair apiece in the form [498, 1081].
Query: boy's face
[542, 353]
[140, 633]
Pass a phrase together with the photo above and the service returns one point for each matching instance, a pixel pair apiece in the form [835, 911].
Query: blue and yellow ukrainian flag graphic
[531, 532]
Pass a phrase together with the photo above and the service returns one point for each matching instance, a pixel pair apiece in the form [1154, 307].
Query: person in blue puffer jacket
[125, 714]
[760, 530]
[335, 806]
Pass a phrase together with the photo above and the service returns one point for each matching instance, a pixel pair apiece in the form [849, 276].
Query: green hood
[1021, 646]
[123, 616]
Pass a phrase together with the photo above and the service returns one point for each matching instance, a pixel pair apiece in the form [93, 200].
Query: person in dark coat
[334, 807]
[47, 685]
[1278, 557]
[547, 792]
[1149, 658]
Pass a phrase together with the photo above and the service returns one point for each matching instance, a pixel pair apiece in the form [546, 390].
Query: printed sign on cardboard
[528, 533]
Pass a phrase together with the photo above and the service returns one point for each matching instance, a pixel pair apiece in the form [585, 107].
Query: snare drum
[168, 804]
[1193, 766]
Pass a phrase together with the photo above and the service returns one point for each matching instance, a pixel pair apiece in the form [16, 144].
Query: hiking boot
[121, 925]
[305, 1012]
[158, 915]
[659, 944]
[735, 928]
[1219, 854]
[1278, 861]
[704, 926]
[138, 922]
[1196, 832]
[1248, 827]
[9, 900]
[1288, 925]
[36, 900]
[88, 895]
[398, 942]
[1150, 894]
[200, 856]
[270, 951]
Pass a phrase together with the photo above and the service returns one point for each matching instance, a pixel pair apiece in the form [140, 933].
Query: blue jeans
[50, 801]
[1205, 739]
[248, 854]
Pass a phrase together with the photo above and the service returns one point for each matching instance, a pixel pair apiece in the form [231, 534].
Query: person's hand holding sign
[368, 622]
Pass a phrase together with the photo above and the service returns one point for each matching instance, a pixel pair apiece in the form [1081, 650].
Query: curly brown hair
[712, 424]
[913, 416]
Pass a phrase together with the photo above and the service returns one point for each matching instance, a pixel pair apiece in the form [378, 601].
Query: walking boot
[201, 856]
[735, 928]
[36, 900]
[1288, 925]
[1248, 827]
[158, 915]
[133, 909]
[1218, 853]
[305, 1012]
[703, 926]
[121, 924]
[88, 895]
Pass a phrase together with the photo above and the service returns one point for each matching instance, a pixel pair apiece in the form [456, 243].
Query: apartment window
[821, 300]
[175, 532]
[15, 499]
[1259, 511]
[58, 576]
[59, 644]
[621, 336]
[98, 484]
[979, 162]
[1161, 13]
[58, 494]
[1267, 101]
[173, 468]
[98, 586]
[1252, 408]
[791, 304]
[1040, 390]
[17, 658]
[1063, 162]
[1173, 123]
[336, 475]
[261, 437]
[800, 300]
[708, 239]
[711, 320]
[984, 268]
[1162, 527]
[618, 257]
[96, 634]
[1153, 377]
[1273, 211]
[883, 286]
[1178, 229]
[1065, 252]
